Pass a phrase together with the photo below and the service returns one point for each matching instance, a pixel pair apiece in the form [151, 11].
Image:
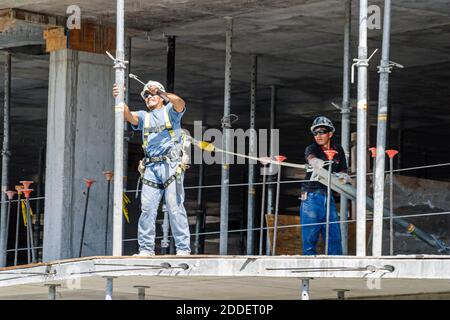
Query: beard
[152, 104]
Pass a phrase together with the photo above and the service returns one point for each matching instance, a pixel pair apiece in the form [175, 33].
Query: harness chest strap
[149, 129]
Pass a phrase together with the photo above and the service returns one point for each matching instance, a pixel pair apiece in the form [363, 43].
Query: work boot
[144, 254]
[183, 253]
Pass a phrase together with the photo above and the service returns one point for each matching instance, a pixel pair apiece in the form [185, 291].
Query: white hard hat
[152, 83]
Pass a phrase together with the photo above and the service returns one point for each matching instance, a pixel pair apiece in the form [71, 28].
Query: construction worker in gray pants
[162, 169]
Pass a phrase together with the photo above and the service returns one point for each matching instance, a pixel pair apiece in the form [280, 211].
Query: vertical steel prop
[120, 67]
[391, 154]
[384, 70]
[89, 183]
[200, 213]
[10, 194]
[39, 188]
[16, 243]
[330, 155]
[345, 111]
[362, 101]
[6, 154]
[305, 288]
[30, 239]
[280, 159]
[251, 196]
[26, 185]
[373, 155]
[263, 202]
[108, 176]
[226, 125]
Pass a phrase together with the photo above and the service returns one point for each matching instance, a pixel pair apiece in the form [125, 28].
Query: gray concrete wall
[80, 140]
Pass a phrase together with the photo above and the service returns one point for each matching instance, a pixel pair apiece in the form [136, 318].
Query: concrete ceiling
[300, 47]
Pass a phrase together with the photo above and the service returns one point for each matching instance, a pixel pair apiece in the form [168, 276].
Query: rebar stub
[19, 189]
[373, 152]
[89, 182]
[391, 153]
[27, 192]
[264, 160]
[280, 158]
[108, 175]
[26, 183]
[10, 194]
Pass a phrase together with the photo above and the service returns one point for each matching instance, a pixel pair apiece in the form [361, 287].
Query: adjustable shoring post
[108, 176]
[31, 248]
[280, 159]
[330, 155]
[10, 194]
[263, 200]
[52, 291]
[305, 288]
[89, 183]
[141, 291]
[109, 288]
[373, 155]
[391, 154]
[16, 244]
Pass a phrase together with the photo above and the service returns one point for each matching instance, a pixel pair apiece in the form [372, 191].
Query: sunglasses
[321, 132]
[147, 94]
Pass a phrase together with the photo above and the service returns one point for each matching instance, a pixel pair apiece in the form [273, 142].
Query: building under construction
[70, 200]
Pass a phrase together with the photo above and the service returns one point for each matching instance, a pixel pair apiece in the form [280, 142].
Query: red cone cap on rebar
[280, 158]
[373, 151]
[10, 194]
[26, 184]
[89, 182]
[108, 175]
[27, 192]
[19, 189]
[264, 161]
[391, 153]
[330, 154]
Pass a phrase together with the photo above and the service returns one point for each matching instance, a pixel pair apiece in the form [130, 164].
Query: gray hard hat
[322, 122]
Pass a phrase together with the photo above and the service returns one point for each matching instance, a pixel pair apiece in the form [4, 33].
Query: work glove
[343, 177]
[141, 167]
[316, 163]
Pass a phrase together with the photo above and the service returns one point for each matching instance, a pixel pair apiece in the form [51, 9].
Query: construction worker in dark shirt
[314, 194]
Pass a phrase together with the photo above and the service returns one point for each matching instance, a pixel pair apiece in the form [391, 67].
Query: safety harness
[147, 130]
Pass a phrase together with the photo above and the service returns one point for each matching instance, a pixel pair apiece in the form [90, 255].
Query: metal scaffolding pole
[252, 148]
[345, 111]
[226, 125]
[118, 141]
[200, 213]
[5, 159]
[271, 187]
[361, 147]
[125, 123]
[270, 178]
[384, 71]
[39, 187]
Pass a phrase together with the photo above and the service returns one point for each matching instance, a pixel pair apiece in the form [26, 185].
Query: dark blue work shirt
[339, 165]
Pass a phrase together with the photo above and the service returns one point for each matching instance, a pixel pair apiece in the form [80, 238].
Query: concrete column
[80, 140]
